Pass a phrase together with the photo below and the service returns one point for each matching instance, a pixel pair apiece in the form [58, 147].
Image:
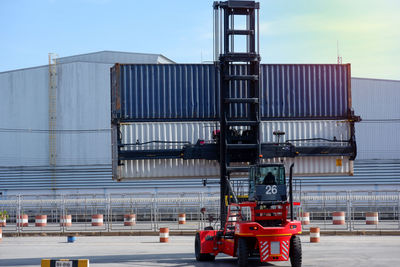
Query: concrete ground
[147, 251]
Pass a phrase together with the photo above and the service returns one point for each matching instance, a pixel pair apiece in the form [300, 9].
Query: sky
[291, 31]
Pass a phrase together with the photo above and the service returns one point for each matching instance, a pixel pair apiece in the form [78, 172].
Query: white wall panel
[378, 104]
[24, 107]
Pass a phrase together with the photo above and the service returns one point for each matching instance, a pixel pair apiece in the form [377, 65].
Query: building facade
[83, 136]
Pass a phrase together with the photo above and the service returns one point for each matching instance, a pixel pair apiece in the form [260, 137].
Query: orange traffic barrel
[66, 220]
[3, 222]
[129, 219]
[1, 234]
[371, 218]
[314, 234]
[97, 220]
[22, 220]
[338, 218]
[164, 234]
[182, 218]
[305, 218]
[40, 220]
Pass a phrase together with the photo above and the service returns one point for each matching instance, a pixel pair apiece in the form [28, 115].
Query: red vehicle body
[252, 230]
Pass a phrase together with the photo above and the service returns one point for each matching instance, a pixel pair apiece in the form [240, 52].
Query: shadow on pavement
[173, 259]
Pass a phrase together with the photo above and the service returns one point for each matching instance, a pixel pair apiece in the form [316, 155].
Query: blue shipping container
[173, 92]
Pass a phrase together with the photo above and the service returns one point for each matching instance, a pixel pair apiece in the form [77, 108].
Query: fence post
[199, 211]
[63, 213]
[398, 208]
[154, 211]
[18, 213]
[108, 207]
[350, 225]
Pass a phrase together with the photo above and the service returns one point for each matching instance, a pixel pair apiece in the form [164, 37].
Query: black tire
[295, 252]
[242, 253]
[201, 256]
[208, 228]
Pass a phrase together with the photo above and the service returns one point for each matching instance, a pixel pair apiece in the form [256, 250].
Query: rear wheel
[242, 253]
[197, 248]
[295, 251]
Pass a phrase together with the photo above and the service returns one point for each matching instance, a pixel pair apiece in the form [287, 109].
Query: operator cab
[267, 183]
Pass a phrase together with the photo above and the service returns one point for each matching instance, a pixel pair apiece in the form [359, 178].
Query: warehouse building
[76, 157]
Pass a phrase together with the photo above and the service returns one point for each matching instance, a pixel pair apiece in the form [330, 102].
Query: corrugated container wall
[146, 132]
[378, 101]
[190, 92]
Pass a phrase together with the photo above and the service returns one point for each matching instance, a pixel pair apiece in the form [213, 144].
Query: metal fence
[105, 213]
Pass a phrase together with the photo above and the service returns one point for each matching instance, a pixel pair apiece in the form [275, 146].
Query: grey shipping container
[175, 92]
[170, 132]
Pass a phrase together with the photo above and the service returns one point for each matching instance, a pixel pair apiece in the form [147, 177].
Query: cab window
[271, 175]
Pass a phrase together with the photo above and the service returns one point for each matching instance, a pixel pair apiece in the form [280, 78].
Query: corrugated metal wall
[378, 103]
[368, 175]
[190, 92]
[83, 115]
[83, 105]
[24, 105]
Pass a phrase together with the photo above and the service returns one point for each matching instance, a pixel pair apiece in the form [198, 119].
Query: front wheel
[197, 248]
[242, 253]
[295, 251]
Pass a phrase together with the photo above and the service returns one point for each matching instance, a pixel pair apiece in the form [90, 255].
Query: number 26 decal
[271, 190]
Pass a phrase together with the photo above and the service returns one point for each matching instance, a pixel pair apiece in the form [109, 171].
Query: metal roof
[106, 57]
[112, 57]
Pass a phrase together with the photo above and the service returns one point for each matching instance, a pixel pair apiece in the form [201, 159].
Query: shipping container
[174, 92]
[191, 132]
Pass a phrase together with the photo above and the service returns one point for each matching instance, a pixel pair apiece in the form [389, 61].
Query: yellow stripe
[45, 263]
[299, 233]
[83, 263]
[275, 255]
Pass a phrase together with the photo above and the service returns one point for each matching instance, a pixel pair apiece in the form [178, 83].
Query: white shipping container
[190, 132]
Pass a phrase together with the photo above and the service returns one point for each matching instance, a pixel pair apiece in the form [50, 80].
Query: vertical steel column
[52, 108]
[243, 149]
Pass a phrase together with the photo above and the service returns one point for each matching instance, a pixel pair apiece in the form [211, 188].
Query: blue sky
[292, 31]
